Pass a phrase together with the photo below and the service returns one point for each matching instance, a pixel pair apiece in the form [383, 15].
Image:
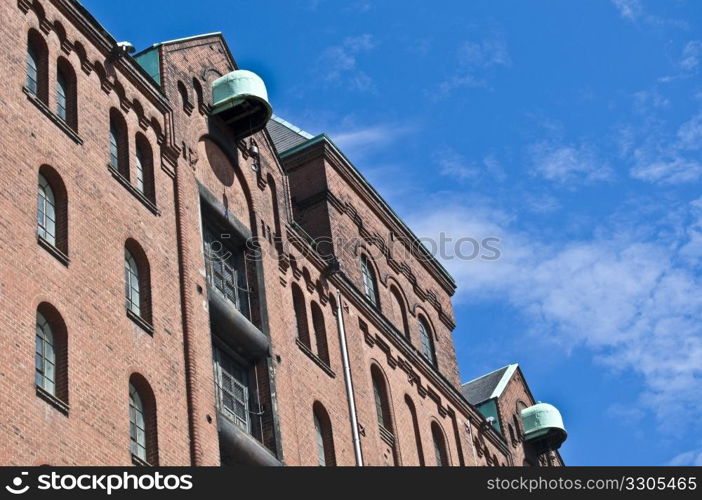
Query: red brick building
[186, 281]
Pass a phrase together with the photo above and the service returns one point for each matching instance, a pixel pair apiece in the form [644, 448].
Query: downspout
[187, 316]
[348, 380]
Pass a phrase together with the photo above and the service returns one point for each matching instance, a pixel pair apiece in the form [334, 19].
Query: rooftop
[488, 386]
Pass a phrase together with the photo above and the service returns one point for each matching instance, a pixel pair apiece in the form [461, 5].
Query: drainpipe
[187, 317]
[348, 381]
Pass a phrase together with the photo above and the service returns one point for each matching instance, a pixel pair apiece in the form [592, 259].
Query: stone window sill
[53, 250]
[143, 324]
[135, 192]
[57, 403]
[60, 123]
[139, 462]
[317, 360]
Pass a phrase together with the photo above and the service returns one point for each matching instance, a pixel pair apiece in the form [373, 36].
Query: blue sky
[571, 130]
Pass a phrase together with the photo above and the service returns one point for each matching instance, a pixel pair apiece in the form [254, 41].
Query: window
[440, 451]
[398, 312]
[426, 342]
[61, 91]
[46, 212]
[143, 441]
[324, 437]
[144, 167]
[137, 282]
[320, 333]
[232, 387]
[37, 66]
[45, 356]
[131, 273]
[384, 414]
[32, 70]
[50, 356]
[303, 333]
[66, 94]
[415, 426]
[226, 272]
[118, 144]
[137, 424]
[369, 282]
[139, 170]
[382, 404]
[52, 211]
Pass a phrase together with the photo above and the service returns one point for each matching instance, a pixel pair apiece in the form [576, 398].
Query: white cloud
[691, 55]
[359, 141]
[630, 10]
[339, 63]
[452, 164]
[634, 12]
[485, 54]
[690, 133]
[568, 163]
[631, 299]
[473, 61]
[688, 458]
[672, 169]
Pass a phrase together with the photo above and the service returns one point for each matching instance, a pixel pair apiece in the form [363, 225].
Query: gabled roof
[489, 385]
[216, 34]
[288, 139]
[285, 135]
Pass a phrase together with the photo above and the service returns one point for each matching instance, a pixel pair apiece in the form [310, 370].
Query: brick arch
[61, 205]
[438, 433]
[60, 337]
[148, 399]
[327, 434]
[144, 269]
[36, 44]
[65, 68]
[229, 160]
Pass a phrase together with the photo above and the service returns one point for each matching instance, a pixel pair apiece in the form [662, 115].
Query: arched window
[37, 66]
[119, 144]
[46, 213]
[369, 282]
[383, 411]
[382, 402]
[197, 86]
[320, 333]
[426, 341]
[324, 436]
[185, 99]
[144, 167]
[137, 281]
[66, 93]
[137, 424]
[143, 443]
[415, 425]
[52, 209]
[399, 313]
[51, 353]
[303, 333]
[440, 451]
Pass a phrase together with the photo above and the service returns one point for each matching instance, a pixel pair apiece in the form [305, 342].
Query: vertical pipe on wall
[187, 316]
[347, 379]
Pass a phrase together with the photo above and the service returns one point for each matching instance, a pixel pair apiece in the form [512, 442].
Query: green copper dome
[241, 100]
[544, 422]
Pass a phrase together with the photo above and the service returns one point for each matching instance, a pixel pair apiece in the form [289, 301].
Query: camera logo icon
[16, 487]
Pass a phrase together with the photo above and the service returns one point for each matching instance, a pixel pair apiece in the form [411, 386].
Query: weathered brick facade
[306, 212]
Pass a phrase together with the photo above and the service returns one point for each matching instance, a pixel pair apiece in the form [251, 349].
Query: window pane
[32, 72]
[61, 93]
[139, 171]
